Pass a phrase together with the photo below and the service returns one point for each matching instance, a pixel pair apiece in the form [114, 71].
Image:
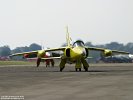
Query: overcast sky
[23, 22]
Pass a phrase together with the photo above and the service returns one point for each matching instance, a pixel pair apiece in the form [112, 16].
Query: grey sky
[23, 22]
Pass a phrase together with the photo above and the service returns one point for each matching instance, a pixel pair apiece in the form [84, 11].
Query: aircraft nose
[80, 53]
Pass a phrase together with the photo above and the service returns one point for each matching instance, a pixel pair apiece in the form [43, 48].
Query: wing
[44, 58]
[107, 52]
[30, 52]
[38, 53]
[51, 58]
[56, 49]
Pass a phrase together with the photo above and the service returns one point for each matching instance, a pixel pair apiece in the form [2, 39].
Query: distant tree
[129, 47]
[25, 49]
[89, 44]
[20, 49]
[34, 46]
[16, 50]
[5, 51]
[114, 46]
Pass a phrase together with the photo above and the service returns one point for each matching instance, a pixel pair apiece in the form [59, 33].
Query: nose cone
[78, 53]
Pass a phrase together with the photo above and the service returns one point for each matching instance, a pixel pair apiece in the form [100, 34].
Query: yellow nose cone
[77, 52]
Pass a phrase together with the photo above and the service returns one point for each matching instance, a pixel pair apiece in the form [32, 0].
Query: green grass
[16, 63]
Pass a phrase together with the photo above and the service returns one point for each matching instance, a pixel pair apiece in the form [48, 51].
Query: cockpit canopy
[78, 43]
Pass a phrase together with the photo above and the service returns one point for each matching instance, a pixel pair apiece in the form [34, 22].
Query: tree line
[6, 51]
[114, 46]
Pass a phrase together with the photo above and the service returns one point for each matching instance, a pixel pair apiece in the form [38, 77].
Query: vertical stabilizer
[68, 37]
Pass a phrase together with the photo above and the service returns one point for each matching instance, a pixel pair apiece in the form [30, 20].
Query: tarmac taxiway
[101, 82]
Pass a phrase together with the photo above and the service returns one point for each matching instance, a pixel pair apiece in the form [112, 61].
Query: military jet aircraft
[72, 53]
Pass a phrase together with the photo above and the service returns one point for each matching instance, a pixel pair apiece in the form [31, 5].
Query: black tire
[61, 69]
[86, 69]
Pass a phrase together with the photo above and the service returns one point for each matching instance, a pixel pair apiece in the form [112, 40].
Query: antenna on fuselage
[68, 39]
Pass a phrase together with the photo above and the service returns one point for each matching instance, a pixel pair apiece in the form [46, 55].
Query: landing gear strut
[78, 65]
[38, 61]
[62, 64]
[85, 64]
[86, 69]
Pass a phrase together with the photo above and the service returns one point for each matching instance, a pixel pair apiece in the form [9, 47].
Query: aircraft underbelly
[71, 60]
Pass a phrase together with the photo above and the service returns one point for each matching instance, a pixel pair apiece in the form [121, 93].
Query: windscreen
[78, 43]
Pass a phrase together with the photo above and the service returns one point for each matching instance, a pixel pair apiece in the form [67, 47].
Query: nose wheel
[78, 66]
[86, 69]
[78, 69]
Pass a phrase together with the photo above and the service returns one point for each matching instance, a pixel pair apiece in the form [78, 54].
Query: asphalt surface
[102, 82]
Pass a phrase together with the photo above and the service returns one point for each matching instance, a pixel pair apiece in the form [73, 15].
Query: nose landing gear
[78, 65]
[76, 69]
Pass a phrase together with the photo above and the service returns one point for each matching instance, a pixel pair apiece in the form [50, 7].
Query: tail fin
[68, 39]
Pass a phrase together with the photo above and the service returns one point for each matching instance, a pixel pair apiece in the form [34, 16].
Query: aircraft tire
[61, 69]
[38, 61]
[80, 69]
[86, 69]
[76, 69]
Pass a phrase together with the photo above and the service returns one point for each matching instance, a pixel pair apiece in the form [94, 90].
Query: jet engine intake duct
[68, 52]
[87, 52]
[41, 53]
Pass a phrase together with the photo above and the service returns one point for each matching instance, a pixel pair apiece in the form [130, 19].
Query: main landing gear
[62, 64]
[78, 65]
